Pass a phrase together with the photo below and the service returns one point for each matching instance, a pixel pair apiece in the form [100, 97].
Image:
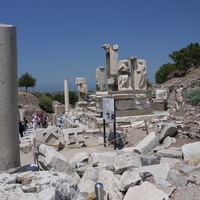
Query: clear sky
[58, 39]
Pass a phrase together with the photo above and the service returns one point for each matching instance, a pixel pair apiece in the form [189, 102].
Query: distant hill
[57, 88]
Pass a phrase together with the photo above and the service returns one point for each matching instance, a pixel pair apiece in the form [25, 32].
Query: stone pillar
[132, 63]
[9, 123]
[111, 66]
[22, 114]
[66, 90]
[100, 83]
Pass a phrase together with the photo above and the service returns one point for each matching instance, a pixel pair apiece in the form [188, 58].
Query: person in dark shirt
[21, 128]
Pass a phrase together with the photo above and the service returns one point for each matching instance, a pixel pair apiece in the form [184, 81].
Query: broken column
[66, 90]
[111, 66]
[9, 123]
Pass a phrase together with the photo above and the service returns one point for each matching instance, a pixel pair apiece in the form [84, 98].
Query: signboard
[109, 109]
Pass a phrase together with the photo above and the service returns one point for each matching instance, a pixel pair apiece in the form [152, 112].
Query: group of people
[36, 122]
[39, 122]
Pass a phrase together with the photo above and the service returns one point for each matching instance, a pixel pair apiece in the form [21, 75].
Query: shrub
[149, 84]
[193, 97]
[163, 72]
[59, 97]
[73, 98]
[45, 104]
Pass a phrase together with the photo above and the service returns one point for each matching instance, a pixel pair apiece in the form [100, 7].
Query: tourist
[35, 122]
[21, 128]
[44, 123]
[25, 124]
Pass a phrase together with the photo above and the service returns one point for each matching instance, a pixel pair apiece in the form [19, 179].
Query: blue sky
[58, 39]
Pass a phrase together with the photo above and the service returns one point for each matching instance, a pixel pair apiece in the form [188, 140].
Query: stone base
[82, 105]
[159, 105]
[123, 113]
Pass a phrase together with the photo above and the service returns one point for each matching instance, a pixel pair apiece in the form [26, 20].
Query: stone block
[147, 144]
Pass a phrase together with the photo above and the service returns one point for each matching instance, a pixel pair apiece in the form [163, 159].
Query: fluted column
[9, 116]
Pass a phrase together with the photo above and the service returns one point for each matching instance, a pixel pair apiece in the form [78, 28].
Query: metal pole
[146, 127]
[104, 132]
[99, 191]
[114, 128]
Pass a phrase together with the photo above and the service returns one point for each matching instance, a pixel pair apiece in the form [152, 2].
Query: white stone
[191, 150]
[148, 143]
[146, 191]
[110, 184]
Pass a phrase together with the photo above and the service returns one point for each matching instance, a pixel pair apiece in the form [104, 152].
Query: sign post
[109, 114]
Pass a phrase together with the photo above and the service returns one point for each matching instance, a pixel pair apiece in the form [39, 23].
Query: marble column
[9, 115]
[66, 90]
[22, 114]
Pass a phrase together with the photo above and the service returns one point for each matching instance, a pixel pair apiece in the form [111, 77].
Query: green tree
[45, 104]
[149, 85]
[163, 72]
[59, 97]
[73, 98]
[187, 57]
[26, 80]
[49, 95]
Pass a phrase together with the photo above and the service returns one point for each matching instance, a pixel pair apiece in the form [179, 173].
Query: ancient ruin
[69, 155]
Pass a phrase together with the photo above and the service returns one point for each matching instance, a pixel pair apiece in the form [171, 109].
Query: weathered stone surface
[51, 160]
[188, 168]
[169, 129]
[162, 94]
[191, 150]
[194, 161]
[79, 158]
[129, 179]
[147, 144]
[148, 160]
[175, 178]
[117, 162]
[170, 153]
[87, 186]
[111, 184]
[171, 161]
[159, 171]
[168, 141]
[39, 185]
[91, 173]
[146, 191]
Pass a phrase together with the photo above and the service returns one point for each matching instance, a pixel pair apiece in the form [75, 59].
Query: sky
[58, 39]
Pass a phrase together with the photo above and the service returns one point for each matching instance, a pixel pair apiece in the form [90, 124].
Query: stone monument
[126, 83]
[9, 115]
